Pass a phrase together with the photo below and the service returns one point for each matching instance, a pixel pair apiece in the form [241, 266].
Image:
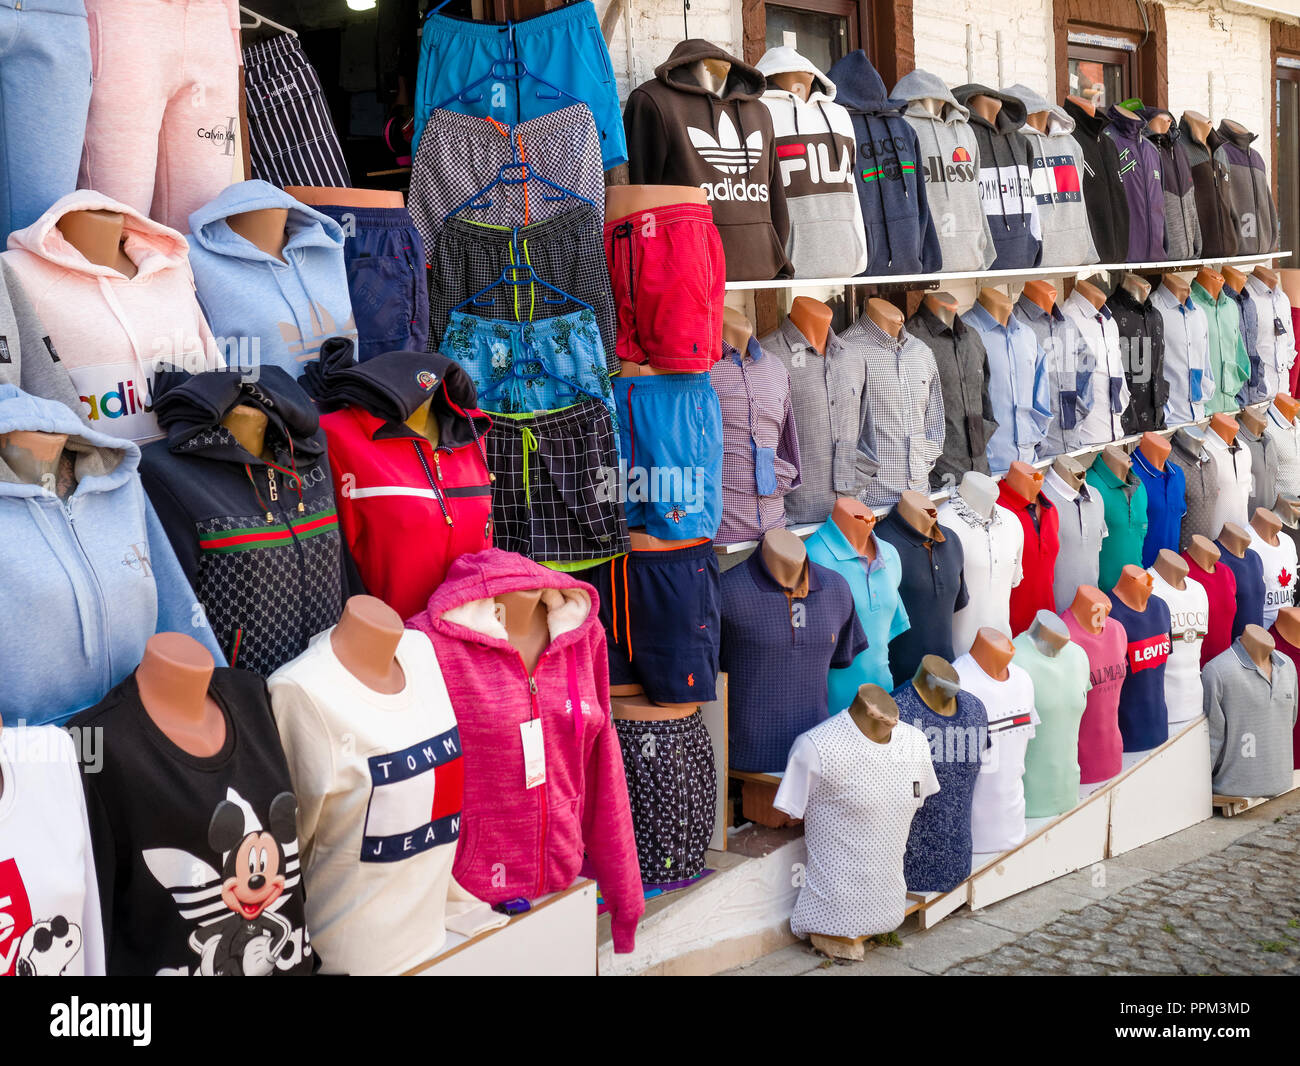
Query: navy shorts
[386, 279]
[670, 447]
[662, 613]
[564, 46]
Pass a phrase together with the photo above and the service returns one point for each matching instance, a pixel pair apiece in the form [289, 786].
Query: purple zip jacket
[1139, 170]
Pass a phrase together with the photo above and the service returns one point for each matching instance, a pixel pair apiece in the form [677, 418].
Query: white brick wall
[656, 28]
[1024, 28]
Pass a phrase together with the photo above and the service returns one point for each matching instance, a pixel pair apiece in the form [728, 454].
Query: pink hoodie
[110, 331]
[527, 842]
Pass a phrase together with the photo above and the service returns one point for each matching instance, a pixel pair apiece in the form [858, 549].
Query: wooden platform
[1230, 806]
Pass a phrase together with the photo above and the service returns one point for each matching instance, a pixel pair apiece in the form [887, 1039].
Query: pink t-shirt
[1101, 747]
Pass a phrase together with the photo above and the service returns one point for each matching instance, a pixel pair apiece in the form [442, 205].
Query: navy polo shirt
[1143, 715]
[778, 649]
[933, 589]
[1249, 572]
[1166, 505]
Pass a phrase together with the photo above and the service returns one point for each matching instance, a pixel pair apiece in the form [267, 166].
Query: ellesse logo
[960, 168]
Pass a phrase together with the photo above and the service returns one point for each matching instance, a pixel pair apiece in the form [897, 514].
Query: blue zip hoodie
[265, 312]
[901, 236]
[88, 580]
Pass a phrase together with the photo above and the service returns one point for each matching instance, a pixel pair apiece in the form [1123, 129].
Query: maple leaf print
[1284, 577]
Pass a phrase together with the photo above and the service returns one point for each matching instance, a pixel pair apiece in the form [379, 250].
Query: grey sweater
[1250, 718]
[27, 356]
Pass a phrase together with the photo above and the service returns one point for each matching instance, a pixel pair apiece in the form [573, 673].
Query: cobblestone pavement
[1233, 912]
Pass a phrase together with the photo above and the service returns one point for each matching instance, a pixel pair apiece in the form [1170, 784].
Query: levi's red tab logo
[15, 915]
[1144, 654]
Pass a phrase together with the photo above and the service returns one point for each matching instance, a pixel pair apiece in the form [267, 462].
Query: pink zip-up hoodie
[111, 332]
[517, 841]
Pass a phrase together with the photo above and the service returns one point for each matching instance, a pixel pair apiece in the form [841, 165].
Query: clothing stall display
[815, 149]
[1189, 378]
[901, 234]
[197, 857]
[992, 553]
[949, 162]
[1142, 337]
[1081, 527]
[1018, 386]
[1251, 716]
[114, 333]
[1139, 167]
[1102, 371]
[1103, 186]
[1182, 224]
[1210, 187]
[1250, 193]
[1189, 623]
[1061, 684]
[1125, 503]
[1143, 713]
[1066, 361]
[285, 306]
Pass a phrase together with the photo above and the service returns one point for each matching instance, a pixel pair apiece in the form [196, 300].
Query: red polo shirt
[1222, 589]
[1042, 526]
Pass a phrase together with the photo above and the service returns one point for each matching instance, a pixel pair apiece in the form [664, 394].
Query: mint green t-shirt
[1124, 504]
[1061, 684]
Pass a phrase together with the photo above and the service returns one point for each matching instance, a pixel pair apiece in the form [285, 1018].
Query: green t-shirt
[1061, 684]
[1125, 509]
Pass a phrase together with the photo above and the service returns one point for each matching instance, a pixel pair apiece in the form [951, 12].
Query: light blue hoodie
[88, 580]
[262, 310]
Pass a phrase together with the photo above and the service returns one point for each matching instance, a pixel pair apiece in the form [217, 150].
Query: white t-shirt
[993, 549]
[997, 816]
[1233, 473]
[379, 785]
[1189, 621]
[1279, 572]
[49, 898]
[857, 799]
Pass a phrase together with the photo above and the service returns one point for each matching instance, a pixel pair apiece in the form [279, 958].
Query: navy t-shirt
[1143, 714]
[933, 589]
[939, 845]
[1249, 572]
[778, 651]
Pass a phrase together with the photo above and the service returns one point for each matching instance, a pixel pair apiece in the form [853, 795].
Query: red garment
[1293, 653]
[406, 508]
[1221, 587]
[518, 841]
[1295, 367]
[1042, 546]
[669, 279]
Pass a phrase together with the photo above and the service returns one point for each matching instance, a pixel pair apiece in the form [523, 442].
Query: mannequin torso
[1172, 568]
[979, 491]
[1041, 292]
[1199, 125]
[856, 521]
[1250, 418]
[1178, 287]
[263, 228]
[918, 512]
[875, 713]
[1287, 406]
[987, 107]
[1259, 645]
[1069, 470]
[785, 556]
[1091, 608]
[1210, 281]
[812, 318]
[998, 304]
[315, 196]
[524, 616]
[1024, 480]
[943, 306]
[624, 200]
[1288, 625]
[887, 317]
[1234, 538]
[1134, 587]
[173, 679]
[98, 236]
[1155, 449]
[1266, 524]
[1136, 287]
[1225, 426]
[1205, 552]
[993, 651]
[424, 422]
[937, 684]
[365, 642]
[736, 328]
[1048, 633]
[1091, 293]
[247, 424]
[1117, 460]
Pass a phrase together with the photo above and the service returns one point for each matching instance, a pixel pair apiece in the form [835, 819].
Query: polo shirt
[1040, 525]
[1279, 565]
[1142, 338]
[880, 610]
[1189, 621]
[1188, 375]
[992, 549]
[1274, 340]
[1067, 360]
[1166, 504]
[1251, 719]
[1143, 714]
[1101, 747]
[1285, 647]
[938, 856]
[757, 419]
[857, 800]
[1226, 603]
[1248, 573]
[829, 396]
[1287, 436]
[1263, 469]
[1125, 504]
[777, 648]
[933, 589]
[1200, 487]
[997, 815]
[1232, 470]
[1105, 370]
[906, 404]
[1018, 388]
[964, 380]
[1081, 520]
[1061, 684]
[1228, 362]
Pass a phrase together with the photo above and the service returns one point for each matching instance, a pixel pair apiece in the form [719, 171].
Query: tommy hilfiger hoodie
[679, 133]
[269, 311]
[1182, 224]
[89, 578]
[1103, 189]
[1210, 184]
[258, 538]
[408, 507]
[517, 840]
[1250, 197]
[950, 161]
[1058, 183]
[111, 332]
[1139, 169]
[901, 236]
[815, 151]
[1006, 187]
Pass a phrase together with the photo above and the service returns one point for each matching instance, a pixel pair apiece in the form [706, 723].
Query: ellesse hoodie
[111, 332]
[679, 133]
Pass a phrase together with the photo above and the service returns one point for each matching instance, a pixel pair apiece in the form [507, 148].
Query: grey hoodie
[950, 161]
[1057, 178]
[28, 358]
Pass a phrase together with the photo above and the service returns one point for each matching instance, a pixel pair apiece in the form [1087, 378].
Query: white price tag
[790, 38]
[534, 753]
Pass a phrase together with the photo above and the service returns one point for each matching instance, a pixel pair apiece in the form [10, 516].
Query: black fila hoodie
[679, 133]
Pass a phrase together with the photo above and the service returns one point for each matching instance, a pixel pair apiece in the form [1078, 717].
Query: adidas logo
[727, 154]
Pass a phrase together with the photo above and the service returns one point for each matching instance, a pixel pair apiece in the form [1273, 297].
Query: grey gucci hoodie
[950, 162]
[1057, 178]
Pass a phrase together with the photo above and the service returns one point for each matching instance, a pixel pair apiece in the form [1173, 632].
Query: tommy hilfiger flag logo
[415, 799]
[1056, 180]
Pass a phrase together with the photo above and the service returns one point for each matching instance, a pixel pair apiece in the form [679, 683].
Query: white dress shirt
[1273, 340]
[1110, 393]
[1187, 357]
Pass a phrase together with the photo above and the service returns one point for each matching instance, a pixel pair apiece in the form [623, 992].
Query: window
[822, 31]
[1288, 154]
[1102, 68]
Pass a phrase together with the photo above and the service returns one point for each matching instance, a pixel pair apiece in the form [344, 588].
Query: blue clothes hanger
[515, 174]
[511, 68]
[519, 274]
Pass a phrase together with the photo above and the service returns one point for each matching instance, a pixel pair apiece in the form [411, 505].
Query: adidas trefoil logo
[727, 154]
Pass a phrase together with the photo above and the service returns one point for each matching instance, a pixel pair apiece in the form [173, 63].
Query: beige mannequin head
[798, 83]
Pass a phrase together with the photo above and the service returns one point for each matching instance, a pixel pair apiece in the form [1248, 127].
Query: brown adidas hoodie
[679, 133]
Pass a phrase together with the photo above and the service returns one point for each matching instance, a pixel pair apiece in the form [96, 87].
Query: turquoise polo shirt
[876, 602]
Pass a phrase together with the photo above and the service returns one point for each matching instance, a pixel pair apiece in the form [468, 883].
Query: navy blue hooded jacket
[901, 236]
